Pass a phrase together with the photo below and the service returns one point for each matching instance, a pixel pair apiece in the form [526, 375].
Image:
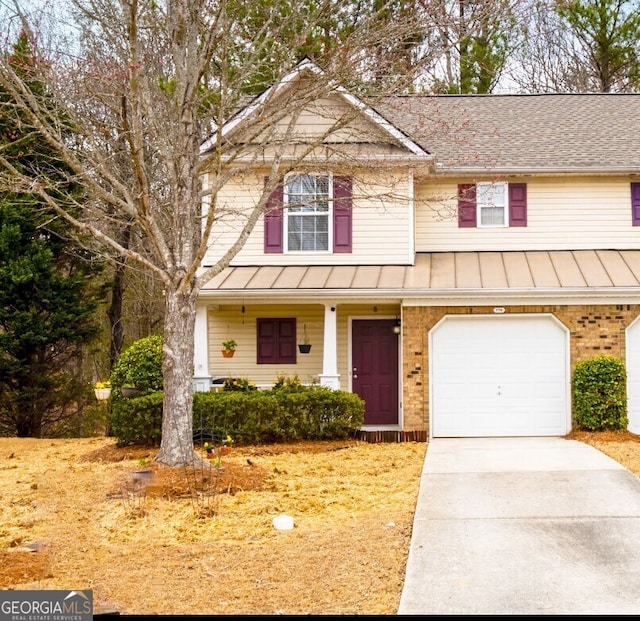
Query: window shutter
[266, 329]
[517, 204]
[635, 204]
[467, 205]
[342, 214]
[276, 340]
[274, 222]
[287, 341]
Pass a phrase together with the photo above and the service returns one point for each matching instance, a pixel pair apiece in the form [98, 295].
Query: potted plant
[102, 390]
[305, 346]
[229, 348]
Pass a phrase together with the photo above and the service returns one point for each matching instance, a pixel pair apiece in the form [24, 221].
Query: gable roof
[512, 134]
[308, 67]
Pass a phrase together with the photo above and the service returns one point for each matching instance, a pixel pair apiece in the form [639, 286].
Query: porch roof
[446, 274]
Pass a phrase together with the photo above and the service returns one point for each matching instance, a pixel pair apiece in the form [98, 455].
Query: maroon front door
[375, 369]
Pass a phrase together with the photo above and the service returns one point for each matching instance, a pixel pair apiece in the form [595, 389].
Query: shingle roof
[587, 133]
[453, 274]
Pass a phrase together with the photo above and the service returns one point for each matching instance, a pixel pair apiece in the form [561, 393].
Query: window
[492, 205]
[313, 214]
[276, 341]
[307, 212]
[491, 202]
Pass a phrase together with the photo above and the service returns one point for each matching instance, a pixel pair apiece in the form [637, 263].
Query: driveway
[523, 526]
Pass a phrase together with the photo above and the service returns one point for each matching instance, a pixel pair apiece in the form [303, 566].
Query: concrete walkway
[523, 526]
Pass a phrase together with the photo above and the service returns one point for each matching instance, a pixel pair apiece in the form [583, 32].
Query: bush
[139, 366]
[138, 421]
[286, 413]
[263, 417]
[599, 394]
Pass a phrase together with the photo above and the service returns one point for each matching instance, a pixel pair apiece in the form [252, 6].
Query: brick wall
[595, 330]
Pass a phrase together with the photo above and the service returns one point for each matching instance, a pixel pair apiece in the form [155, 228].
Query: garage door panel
[499, 376]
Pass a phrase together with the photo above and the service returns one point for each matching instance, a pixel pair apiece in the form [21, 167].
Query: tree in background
[607, 43]
[579, 46]
[47, 296]
[477, 38]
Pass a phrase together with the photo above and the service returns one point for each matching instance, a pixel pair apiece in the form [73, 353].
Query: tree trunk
[176, 448]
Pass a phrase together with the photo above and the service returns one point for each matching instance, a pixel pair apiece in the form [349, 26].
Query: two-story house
[451, 270]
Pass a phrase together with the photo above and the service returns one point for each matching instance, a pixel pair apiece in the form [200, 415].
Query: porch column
[201, 376]
[329, 376]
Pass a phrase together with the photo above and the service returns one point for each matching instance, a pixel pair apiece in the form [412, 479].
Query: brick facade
[594, 330]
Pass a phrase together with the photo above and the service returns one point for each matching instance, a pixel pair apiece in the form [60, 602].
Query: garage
[633, 376]
[499, 375]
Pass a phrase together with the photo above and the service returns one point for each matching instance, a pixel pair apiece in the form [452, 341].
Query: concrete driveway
[523, 526]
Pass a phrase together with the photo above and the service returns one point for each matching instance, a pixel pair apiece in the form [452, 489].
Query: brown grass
[194, 544]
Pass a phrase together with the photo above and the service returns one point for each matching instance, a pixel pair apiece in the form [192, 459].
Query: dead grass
[204, 542]
[179, 549]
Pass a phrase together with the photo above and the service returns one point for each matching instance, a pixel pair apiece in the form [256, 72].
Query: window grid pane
[491, 203]
[308, 215]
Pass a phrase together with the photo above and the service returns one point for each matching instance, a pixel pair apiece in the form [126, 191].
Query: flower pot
[228, 353]
[102, 394]
[304, 348]
[130, 392]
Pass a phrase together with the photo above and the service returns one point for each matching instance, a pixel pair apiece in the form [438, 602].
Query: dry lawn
[204, 542]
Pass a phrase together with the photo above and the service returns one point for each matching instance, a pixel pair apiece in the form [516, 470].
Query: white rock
[283, 522]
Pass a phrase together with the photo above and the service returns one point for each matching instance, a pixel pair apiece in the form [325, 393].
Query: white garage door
[633, 376]
[499, 376]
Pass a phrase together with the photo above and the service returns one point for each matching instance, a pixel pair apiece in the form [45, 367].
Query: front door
[375, 369]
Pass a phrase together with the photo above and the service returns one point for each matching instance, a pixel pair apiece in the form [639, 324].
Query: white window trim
[329, 249]
[505, 222]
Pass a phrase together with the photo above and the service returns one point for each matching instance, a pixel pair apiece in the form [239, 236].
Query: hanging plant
[305, 346]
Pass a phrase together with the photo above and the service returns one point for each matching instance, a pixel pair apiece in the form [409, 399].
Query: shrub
[140, 365]
[138, 421]
[249, 416]
[599, 394]
[263, 417]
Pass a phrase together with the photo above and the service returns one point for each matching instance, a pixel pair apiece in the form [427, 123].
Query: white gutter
[440, 297]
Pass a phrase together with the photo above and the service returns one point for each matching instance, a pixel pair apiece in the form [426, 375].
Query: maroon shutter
[274, 222]
[467, 205]
[635, 204]
[287, 341]
[517, 204]
[276, 341]
[266, 330]
[342, 214]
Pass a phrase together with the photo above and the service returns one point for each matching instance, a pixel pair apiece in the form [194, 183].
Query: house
[472, 252]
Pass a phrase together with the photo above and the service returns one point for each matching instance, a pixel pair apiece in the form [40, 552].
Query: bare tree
[581, 46]
[143, 87]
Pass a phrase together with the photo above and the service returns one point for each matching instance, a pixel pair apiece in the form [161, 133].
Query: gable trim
[308, 65]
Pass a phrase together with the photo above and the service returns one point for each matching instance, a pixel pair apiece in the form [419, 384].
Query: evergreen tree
[47, 299]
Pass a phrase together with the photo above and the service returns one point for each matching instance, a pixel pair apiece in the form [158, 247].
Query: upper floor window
[309, 213]
[308, 207]
[492, 204]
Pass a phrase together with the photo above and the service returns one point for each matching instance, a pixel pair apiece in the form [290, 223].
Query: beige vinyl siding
[381, 223]
[330, 119]
[228, 322]
[568, 213]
